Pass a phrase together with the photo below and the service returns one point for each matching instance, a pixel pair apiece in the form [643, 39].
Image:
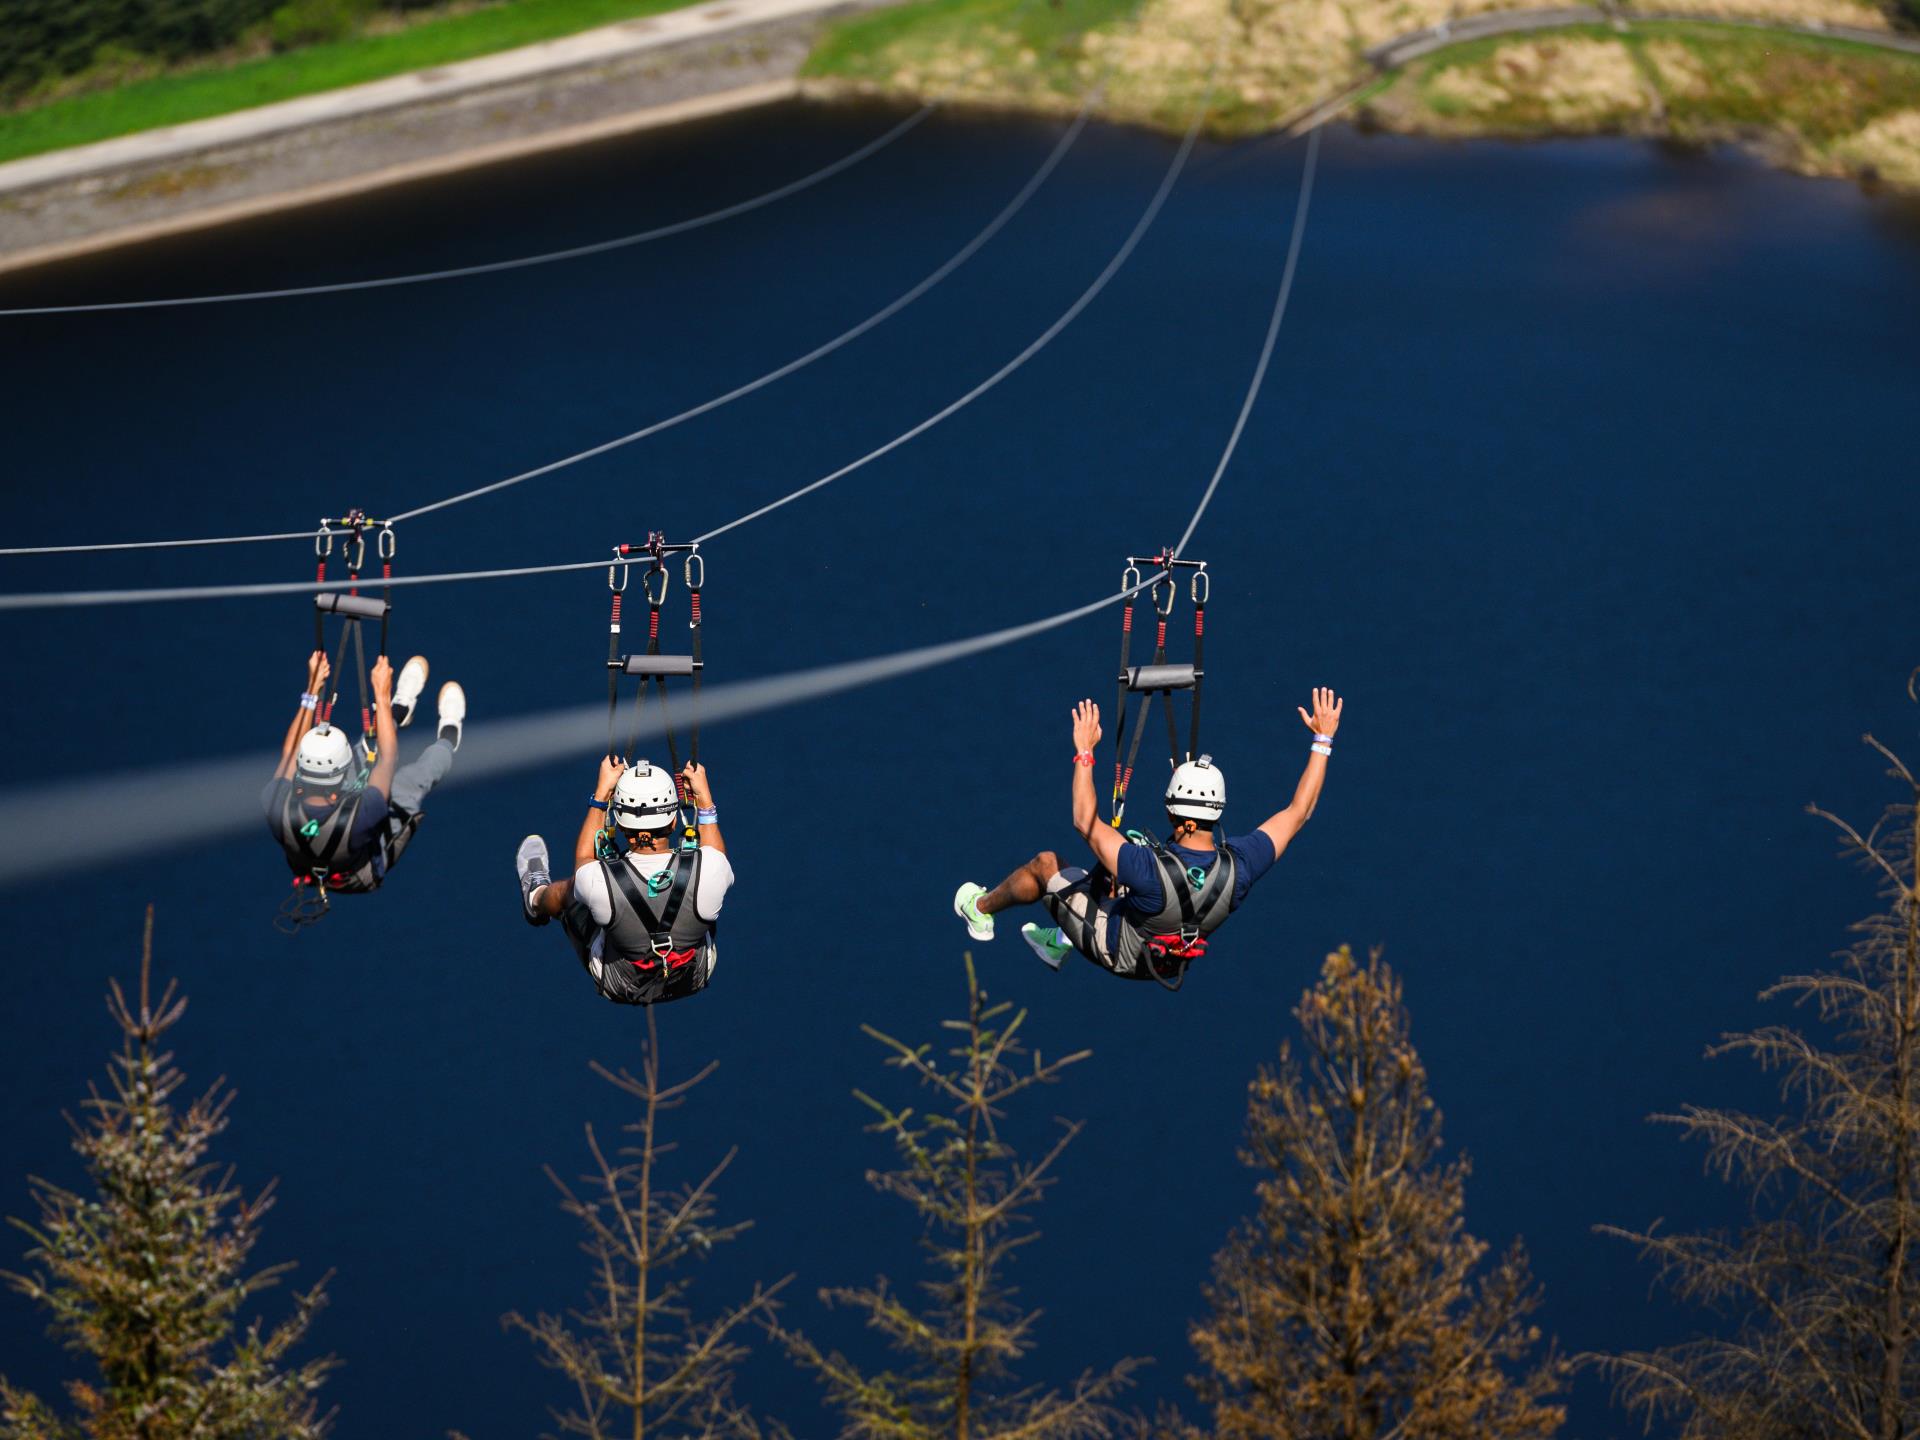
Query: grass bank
[1824, 106]
[209, 89]
[1026, 52]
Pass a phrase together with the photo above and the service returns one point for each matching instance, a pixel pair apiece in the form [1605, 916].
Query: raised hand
[1325, 718]
[695, 775]
[611, 769]
[318, 668]
[1086, 726]
[382, 677]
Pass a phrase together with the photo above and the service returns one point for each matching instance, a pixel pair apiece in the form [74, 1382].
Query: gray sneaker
[531, 862]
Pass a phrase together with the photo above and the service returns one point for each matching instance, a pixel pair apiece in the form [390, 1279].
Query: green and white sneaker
[966, 904]
[1048, 944]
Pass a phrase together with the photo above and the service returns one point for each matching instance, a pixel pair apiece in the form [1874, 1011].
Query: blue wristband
[596, 804]
[708, 816]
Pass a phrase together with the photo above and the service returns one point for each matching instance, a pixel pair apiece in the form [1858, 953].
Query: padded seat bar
[1160, 677]
[359, 607]
[656, 665]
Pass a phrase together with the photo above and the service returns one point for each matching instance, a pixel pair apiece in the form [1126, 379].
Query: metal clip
[1202, 586]
[1163, 593]
[696, 578]
[660, 573]
[621, 567]
[323, 539]
[1129, 580]
[356, 551]
[384, 543]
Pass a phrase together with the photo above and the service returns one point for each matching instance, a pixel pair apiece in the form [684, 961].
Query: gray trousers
[412, 782]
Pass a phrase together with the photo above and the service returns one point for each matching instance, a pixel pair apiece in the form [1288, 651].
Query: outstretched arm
[1103, 840]
[701, 790]
[317, 671]
[386, 736]
[1324, 720]
[585, 845]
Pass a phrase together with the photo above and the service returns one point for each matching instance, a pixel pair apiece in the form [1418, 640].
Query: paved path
[613, 43]
[1391, 54]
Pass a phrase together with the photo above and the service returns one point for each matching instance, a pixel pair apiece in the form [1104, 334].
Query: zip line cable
[887, 312]
[69, 599]
[1307, 169]
[820, 352]
[38, 833]
[495, 267]
[1039, 343]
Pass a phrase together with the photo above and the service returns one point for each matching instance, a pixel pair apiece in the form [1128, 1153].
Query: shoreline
[319, 193]
[683, 65]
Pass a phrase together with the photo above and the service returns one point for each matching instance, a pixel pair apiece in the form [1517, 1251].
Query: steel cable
[495, 267]
[37, 830]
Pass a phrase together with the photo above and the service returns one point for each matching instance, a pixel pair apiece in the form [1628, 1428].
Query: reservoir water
[1584, 470]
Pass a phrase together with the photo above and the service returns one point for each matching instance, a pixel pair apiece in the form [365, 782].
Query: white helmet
[644, 798]
[324, 755]
[1197, 791]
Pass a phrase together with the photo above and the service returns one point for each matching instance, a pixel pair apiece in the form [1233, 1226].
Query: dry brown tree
[1816, 1292]
[146, 1274]
[1353, 1304]
[960, 1343]
[639, 1360]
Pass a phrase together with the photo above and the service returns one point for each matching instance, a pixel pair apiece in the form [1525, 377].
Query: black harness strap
[661, 925]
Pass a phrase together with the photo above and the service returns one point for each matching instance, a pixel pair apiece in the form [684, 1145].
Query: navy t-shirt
[365, 839]
[1136, 869]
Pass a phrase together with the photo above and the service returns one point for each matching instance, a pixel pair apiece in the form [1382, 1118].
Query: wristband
[308, 702]
[707, 815]
[1321, 747]
[1084, 757]
[596, 804]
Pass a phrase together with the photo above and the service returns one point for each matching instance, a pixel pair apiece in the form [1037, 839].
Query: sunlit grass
[174, 99]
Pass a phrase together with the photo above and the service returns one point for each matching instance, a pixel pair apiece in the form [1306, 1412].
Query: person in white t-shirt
[641, 908]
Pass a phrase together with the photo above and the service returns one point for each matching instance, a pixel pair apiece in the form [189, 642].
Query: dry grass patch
[1889, 148]
[1830, 12]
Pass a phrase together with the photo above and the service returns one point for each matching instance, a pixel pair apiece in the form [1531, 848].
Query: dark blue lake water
[1585, 471]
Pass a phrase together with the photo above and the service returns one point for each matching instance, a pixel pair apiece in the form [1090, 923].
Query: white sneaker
[453, 712]
[406, 691]
[966, 906]
[531, 863]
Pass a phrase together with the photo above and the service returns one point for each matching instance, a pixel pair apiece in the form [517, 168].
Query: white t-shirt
[716, 878]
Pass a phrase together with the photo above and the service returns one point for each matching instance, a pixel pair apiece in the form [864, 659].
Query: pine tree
[638, 1360]
[960, 1344]
[1353, 1305]
[1818, 1288]
[147, 1274]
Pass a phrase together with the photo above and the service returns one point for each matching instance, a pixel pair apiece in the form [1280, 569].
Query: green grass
[872, 47]
[197, 94]
[1819, 88]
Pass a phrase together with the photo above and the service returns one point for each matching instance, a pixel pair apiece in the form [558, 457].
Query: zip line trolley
[652, 668]
[315, 848]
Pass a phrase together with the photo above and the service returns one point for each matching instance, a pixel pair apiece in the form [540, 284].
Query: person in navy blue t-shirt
[1167, 897]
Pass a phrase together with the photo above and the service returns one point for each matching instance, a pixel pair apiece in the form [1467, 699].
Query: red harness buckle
[674, 959]
[1178, 947]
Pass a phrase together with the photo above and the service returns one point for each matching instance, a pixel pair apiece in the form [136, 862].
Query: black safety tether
[652, 667]
[1159, 677]
[311, 898]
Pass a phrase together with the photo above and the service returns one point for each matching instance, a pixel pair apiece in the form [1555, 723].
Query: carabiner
[665, 578]
[323, 538]
[623, 566]
[1163, 587]
[384, 543]
[695, 578]
[357, 549]
[1201, 587]
[1130, 581]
